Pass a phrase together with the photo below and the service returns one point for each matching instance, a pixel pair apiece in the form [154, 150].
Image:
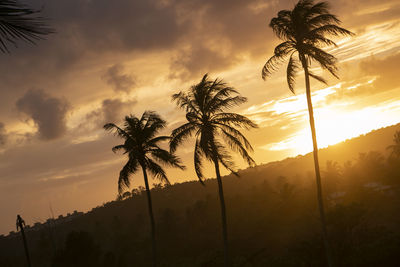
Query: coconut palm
[20, 226]
[304, 32]
[20, 23]
[142, 148]
[205, 104]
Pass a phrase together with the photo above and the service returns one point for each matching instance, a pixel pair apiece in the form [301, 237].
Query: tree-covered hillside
[272, 211]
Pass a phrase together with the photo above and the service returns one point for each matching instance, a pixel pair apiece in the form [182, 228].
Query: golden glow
[335, 125]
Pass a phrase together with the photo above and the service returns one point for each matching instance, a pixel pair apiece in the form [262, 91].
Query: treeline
[273, 222]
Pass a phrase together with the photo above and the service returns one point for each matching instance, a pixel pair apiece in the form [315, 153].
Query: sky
[109, 59]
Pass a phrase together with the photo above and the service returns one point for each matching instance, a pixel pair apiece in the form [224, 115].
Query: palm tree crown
[205, 104]
[142, 146]
[18, 22]
[304, 31]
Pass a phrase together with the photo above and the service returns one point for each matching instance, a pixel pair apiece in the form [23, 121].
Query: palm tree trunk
[316, 165]
[153, 227]
[223, 214]
[25, 245]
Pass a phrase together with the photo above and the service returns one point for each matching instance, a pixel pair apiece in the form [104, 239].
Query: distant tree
[20, 23]
[395, 148]
[20, 226]
[304, 30]
[332, 177]
[126, 195]
[205, 104]
[80, 251]
[142, 147]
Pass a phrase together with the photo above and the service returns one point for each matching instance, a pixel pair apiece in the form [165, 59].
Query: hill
[272, 217]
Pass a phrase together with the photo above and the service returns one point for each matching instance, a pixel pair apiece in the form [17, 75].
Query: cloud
[3, 134]
[115, 77]
[197, 60]
[387, 70]
[374, 75]
[111, 110]
[48, 113]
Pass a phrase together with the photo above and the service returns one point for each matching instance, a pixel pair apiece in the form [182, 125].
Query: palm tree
[304, 32]
[21, 225]
[396, 147]
[205, 104]
[143, 150]
[20, 23]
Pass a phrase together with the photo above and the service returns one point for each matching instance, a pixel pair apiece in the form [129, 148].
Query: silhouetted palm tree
[304, 30]
[205, 104]
[20, 23]
[142, 147]
[396, 147]
[20, 226]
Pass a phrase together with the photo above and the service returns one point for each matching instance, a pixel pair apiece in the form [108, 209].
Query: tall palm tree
[20, 226]
[20, 23]
[205, 104]
[304, 32]
[143, 150]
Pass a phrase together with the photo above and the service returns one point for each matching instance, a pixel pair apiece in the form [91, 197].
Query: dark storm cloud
[48, 113]
[92, 29]
[116, 78]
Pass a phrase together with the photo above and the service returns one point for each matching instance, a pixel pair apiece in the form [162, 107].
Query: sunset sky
[113, 58]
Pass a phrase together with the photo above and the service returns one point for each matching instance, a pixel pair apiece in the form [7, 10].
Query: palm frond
[281, 25]
[237, 134]
[225, 158]
[325, 60]
[323, 19]
[280, 53]
[237, 145]
[123, 181]
[111, 127]
[198, 155]
[291, 72]
[157, 171]
[20, 23]
[156, 140]
[331, 29]
[234, 119]
[180, 134]
[318, 78]
[226, 103]
[167, 158]
[115, 149]
[315, 9]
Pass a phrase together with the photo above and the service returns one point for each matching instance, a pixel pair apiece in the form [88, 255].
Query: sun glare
[335, 125]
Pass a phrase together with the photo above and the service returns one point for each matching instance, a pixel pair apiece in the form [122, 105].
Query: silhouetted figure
[213, 129]
[21, 225]
[142, 147]
[304, 30]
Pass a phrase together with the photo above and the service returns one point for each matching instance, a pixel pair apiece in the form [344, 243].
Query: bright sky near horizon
[109, 59]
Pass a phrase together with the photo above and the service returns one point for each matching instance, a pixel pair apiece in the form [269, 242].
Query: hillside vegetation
[271, 208]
